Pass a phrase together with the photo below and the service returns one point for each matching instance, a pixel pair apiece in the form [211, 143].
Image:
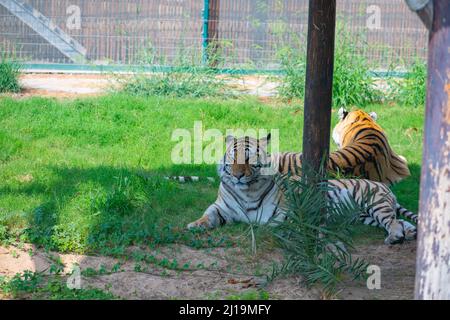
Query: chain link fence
[249, 33]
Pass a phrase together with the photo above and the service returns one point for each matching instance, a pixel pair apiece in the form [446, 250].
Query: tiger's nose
[239, 175]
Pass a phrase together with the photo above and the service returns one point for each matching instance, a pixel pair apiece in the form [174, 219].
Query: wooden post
[433, 251]
[319, 82]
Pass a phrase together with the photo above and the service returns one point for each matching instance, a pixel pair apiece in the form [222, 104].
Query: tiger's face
[244, 158]
[348, 120]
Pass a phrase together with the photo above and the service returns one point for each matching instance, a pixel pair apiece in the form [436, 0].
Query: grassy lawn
[87, 175]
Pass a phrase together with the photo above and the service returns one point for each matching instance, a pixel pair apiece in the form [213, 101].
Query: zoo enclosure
[250, 33]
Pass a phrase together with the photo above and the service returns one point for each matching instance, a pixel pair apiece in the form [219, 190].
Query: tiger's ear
[342, 113]
[265, 140]
[373, 115]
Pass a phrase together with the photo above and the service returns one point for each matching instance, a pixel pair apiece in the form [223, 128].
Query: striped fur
[383, 208]
[364, 150]
[246, 195]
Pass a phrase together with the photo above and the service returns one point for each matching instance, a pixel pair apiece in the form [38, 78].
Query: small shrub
[410, 91]
[9, 74]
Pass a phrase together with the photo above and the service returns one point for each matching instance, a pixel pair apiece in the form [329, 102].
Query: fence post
[433, 248]
[319, 81]
[210, 33]
[205, 31]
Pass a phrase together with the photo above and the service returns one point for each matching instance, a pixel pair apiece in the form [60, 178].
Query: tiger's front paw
[202, 223]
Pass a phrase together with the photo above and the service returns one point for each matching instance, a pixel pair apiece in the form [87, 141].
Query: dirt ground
[215, 273]
[81, 85]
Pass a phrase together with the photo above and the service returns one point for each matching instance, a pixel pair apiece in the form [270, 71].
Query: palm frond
[317, 233]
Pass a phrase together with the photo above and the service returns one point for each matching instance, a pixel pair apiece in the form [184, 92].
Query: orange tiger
[364, 151]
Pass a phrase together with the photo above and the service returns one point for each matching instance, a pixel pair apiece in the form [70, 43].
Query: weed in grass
[9, 74]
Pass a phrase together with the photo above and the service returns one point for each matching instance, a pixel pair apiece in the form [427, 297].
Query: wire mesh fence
[249, 33]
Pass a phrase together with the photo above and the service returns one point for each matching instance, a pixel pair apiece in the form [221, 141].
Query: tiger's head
[344, 131]
[244, 157]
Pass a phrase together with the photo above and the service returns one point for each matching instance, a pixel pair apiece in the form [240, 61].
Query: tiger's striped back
[364, 150]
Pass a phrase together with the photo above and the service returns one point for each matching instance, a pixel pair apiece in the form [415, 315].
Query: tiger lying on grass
[246, 195]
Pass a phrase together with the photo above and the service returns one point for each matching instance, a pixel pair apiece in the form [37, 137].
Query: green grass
[86, 175]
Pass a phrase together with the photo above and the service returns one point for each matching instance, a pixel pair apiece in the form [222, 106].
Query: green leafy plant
[21, 283]
[9, 74]
[317, 234]
[410, 90]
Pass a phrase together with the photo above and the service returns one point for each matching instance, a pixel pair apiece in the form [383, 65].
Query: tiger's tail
[400, 211]
[184, 179]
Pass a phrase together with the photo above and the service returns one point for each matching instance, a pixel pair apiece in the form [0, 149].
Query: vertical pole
[433, 249]
[319, 81]
[205, 31]
[210, 31]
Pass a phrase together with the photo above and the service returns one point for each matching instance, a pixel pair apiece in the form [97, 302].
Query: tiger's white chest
[256, 203]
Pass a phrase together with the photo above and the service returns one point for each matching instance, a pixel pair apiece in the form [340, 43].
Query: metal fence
[250, 33]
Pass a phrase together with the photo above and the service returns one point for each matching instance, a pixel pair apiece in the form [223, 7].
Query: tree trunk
[433, 252]
[319, 81]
